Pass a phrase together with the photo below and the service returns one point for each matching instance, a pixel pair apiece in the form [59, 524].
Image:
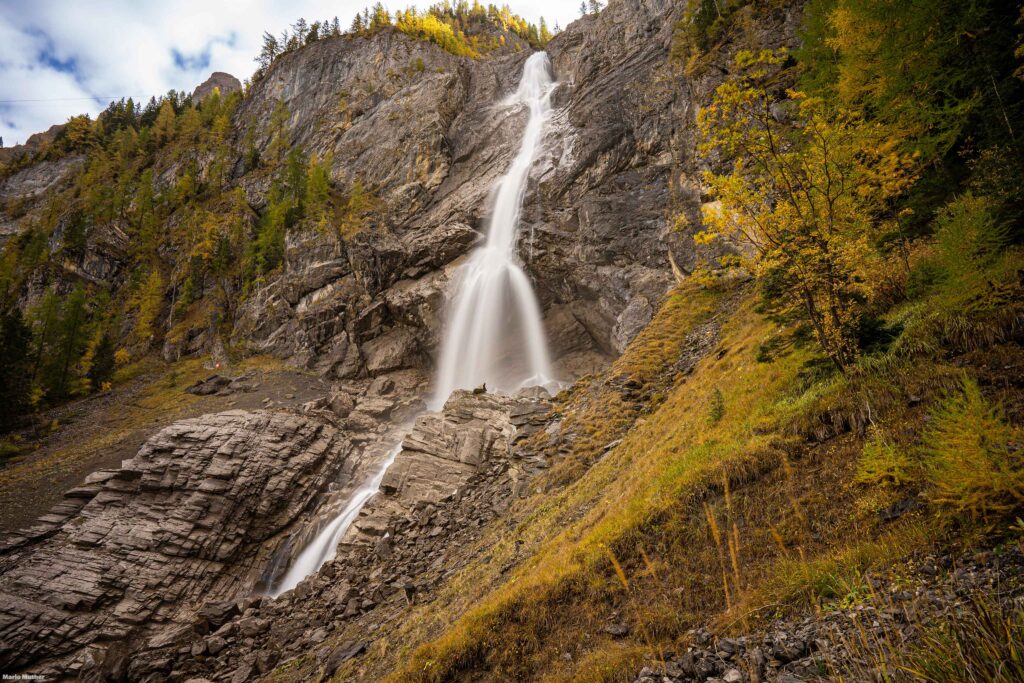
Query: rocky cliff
[424, 131]
[129, 561]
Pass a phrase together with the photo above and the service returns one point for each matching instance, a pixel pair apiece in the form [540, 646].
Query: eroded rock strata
[141, 548]
[458, 470]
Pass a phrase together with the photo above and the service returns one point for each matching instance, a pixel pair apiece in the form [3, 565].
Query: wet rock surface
[407, 540]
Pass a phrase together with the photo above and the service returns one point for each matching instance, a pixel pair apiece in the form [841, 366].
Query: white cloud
[68, 51]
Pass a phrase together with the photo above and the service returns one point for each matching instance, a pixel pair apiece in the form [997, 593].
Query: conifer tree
[15, 367]
[299, 30]
[101, 369]
[71, 342]
[271, 48]
[163, 127]
[278, 147]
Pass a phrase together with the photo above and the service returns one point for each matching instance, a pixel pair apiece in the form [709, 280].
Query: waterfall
[324, 546]
[495, 334]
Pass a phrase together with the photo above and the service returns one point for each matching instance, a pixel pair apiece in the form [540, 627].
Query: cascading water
[495, 334]
[324, 546]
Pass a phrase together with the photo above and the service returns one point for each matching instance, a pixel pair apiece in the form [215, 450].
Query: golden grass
[727, 495]
[641, 493]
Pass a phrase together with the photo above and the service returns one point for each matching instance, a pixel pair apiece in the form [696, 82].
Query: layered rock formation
[181, 524]
[458, 470]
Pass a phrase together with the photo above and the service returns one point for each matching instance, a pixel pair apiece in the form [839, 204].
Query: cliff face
[424, 132]
[433, 141]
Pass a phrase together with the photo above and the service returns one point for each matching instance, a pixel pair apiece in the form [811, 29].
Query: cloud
[59, 58]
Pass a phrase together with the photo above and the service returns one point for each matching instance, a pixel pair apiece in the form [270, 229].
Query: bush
[972, 465]
[881, 462]
[716, 408]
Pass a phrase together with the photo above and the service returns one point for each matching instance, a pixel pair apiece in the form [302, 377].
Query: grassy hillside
[760, 448]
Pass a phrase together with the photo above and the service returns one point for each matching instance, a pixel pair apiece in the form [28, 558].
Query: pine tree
[45, 321]
[545, 34]
[299, 31]
[163, 128]
[72, 341]
[278, 147]
[15, 367]
[102, 367]
[148, 303]
[318, 192]
[271, 48]
[380, 18]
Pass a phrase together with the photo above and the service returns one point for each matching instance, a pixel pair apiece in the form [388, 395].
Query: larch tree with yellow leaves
[804, 184]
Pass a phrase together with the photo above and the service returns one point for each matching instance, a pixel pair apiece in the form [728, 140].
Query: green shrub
[968, 257]
[881, 462]
[971, 464]
[716, 409]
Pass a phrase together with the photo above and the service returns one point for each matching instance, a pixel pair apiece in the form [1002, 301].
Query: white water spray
[324, 547]
[495, 334]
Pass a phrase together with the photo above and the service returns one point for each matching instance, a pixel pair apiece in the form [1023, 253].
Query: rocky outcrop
[35, 143]
[24, 188]
[223, 83]
[443, 452]
[136, 550]
[457, 470]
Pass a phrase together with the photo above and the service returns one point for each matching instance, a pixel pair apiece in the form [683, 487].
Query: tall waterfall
[495, 334]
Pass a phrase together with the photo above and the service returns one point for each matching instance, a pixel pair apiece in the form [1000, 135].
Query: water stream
[324, 546]
[494, 334]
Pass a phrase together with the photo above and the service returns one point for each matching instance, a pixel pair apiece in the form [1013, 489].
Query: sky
[59, 58]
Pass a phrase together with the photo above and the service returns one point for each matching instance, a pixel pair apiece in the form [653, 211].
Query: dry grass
[981, 640]
[681, 494]
[727, 494]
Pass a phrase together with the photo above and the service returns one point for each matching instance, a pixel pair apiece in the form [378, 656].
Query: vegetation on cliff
[462, 29]
[159, 181]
